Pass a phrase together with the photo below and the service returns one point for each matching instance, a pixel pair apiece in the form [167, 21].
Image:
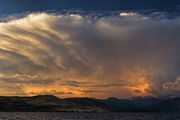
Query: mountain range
[50, 103]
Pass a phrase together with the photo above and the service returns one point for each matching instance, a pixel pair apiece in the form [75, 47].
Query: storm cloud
[123, 55]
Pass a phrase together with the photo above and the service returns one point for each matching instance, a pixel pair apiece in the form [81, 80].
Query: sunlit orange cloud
[73, 55]
[55, 89]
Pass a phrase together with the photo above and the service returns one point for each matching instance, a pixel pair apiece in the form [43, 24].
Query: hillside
[49, 103]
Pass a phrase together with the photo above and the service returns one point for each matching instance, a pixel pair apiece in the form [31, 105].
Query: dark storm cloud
[19, 6]
[54, 92]
[26, 81]
[73, 83]
[128, 53]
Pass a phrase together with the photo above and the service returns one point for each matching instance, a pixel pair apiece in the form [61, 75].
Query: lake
[86, 116]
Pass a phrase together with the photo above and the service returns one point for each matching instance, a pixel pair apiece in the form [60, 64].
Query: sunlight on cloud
[126, 14]
[74, 55]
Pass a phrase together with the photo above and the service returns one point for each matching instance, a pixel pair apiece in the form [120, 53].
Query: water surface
[86, 116]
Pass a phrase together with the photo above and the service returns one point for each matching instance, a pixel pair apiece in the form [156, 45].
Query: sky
[117, 48]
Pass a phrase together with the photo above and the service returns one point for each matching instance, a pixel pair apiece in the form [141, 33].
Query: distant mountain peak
[112, 98]
[46, 96]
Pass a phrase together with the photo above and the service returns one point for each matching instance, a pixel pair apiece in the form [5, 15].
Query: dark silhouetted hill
[49, 103]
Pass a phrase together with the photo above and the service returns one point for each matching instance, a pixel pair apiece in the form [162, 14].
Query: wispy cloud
[83, 53]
